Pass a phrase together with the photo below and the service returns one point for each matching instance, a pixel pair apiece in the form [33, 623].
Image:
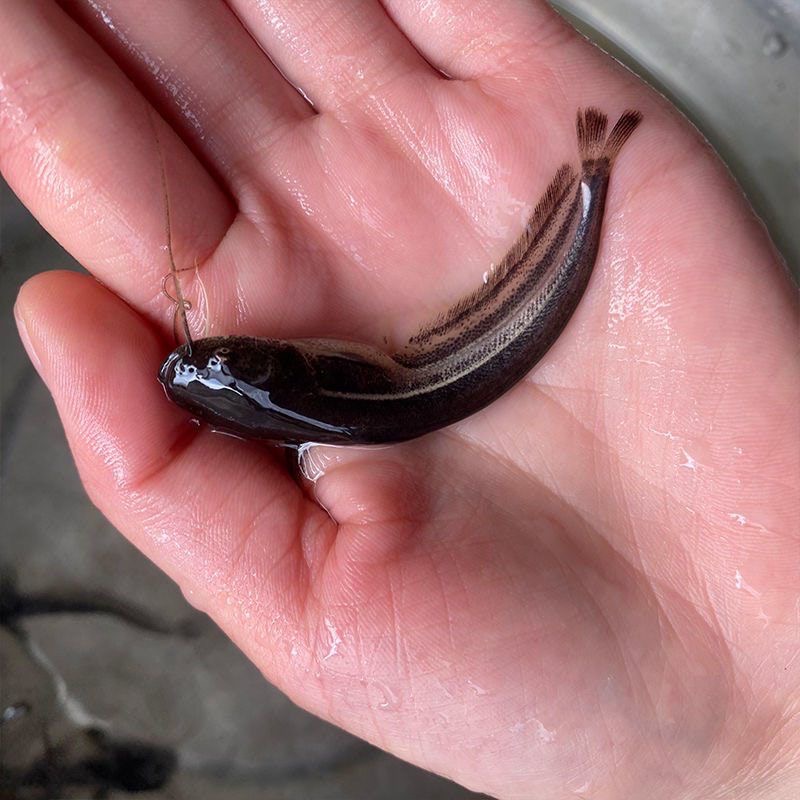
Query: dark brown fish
[337, 392]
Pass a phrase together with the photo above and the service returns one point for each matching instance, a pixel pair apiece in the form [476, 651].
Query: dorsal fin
[596, 153]
[558, 188]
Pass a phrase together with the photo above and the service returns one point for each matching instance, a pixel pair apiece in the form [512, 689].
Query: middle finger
[204, 73]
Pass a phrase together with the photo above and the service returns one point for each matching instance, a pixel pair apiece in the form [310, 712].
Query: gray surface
[143, 665]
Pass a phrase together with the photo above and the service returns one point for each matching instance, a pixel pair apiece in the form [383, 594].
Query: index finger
[78, 145]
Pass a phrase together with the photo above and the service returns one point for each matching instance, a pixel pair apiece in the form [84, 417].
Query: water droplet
[544, 734]
[335, 639]
[15, 711]
[774, 45]
[382, 696]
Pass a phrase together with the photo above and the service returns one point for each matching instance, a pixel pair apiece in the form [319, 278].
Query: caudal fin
[621, 132]
[591, 126]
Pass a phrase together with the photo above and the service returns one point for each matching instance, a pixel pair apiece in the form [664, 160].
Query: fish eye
[219, 357]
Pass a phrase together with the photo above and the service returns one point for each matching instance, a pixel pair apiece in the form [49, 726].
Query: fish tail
[591, 128]
[591, 124]
[620, 133]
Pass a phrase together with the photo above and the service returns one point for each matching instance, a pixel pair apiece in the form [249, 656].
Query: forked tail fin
[591, 124]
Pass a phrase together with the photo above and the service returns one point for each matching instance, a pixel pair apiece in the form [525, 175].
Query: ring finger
[334, 51]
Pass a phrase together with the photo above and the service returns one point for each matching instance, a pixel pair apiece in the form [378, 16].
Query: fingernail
[22, 327]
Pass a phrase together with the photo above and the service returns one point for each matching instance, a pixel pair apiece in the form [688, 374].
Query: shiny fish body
[336, 392]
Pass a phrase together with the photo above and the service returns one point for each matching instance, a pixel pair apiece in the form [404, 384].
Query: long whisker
[181, 304]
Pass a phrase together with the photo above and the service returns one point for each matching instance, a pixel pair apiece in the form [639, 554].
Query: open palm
[589, 589]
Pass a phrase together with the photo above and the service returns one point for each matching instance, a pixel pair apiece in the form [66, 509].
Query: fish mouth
[167, 371]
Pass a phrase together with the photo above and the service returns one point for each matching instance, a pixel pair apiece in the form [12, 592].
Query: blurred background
[110, 683]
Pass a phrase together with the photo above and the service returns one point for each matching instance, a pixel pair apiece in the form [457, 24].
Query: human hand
[588, 589]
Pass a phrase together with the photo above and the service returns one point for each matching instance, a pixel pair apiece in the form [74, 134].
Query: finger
[204, 72]
[474, 38]
[335, 52]
[78, 145]
[220, 516]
